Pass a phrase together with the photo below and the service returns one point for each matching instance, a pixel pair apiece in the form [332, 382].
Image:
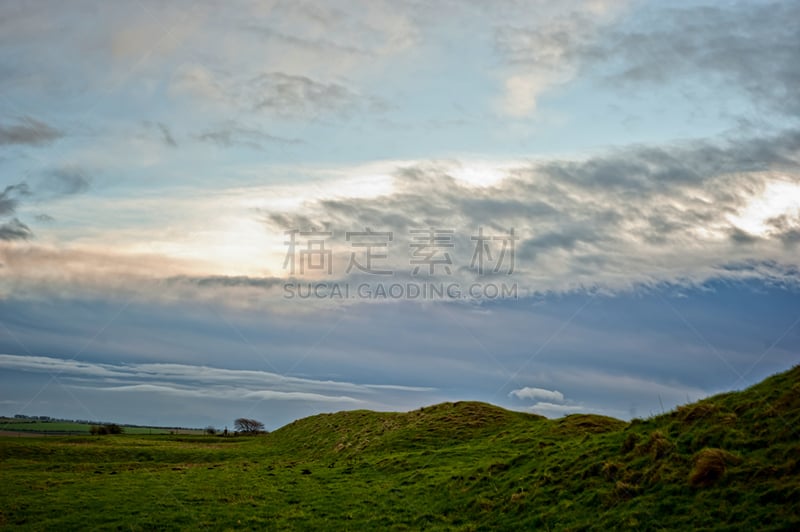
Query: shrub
[99, 430]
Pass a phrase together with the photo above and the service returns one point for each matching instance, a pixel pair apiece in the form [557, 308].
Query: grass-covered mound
[727, 462]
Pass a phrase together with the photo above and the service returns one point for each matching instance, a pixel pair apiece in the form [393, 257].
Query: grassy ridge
[727, 462]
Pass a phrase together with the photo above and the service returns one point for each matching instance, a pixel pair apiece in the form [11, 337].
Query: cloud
[300, 96]
[300, 396]
[8, 201]
[167, 135]
[278, 94]
[199, 381]
[228, 393]
[57, 182]
[543, 56]
[316, 45]
[624, 219]
[28, 131]
[15, 230]
[199, 82]
[228, 281]
[543, 52]
[66, 180]
[233, 134]
[745, 47]
[537, 393]
[163, 131]
[635, 215]
[45, 271]
[750, 47]
[344, 32]
[786, 227]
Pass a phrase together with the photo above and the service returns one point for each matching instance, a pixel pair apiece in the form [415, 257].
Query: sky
[275, 209]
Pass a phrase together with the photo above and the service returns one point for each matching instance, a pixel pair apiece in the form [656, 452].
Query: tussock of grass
[696, 412]
[657, 445]
[710, 466]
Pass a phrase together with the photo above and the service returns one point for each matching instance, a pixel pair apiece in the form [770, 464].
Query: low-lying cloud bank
[205, 382]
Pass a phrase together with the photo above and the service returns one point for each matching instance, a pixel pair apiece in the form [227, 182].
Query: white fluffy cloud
[537, 393]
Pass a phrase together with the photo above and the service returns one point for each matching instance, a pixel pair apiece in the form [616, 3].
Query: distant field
[21, 425]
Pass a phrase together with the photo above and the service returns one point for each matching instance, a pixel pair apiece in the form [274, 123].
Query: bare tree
[249, 426]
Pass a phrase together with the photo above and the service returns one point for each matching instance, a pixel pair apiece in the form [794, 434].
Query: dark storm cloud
[28, 131]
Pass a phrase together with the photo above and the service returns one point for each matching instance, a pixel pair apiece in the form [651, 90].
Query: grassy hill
[727, 462]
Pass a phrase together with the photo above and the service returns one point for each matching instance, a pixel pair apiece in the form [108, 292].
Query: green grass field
[729, 462]
[9, 424]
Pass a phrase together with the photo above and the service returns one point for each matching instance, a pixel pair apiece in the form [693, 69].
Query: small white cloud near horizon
[537, 393]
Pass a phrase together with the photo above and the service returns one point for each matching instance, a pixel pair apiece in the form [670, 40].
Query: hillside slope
[729, 461]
